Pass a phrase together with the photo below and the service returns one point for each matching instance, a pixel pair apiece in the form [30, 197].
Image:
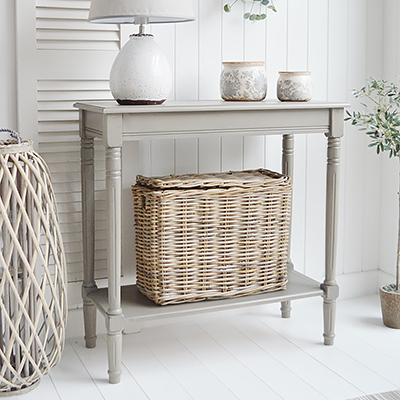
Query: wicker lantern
[33, 305]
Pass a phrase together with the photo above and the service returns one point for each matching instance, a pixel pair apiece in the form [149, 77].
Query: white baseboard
[74, 295]
[362, 283]
[358, 284]
[385, 279]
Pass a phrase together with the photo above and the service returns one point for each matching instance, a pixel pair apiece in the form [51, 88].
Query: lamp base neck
[141, 35]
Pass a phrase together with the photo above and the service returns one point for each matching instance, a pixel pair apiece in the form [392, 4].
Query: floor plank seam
[88, 372]
[205, 366]
[279, 360]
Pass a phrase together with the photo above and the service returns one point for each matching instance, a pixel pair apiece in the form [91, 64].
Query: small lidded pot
[294, 86]
[243, 81]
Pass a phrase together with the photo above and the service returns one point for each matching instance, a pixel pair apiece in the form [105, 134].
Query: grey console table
[114, 124]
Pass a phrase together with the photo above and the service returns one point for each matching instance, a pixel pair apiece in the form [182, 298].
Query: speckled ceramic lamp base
[140, 74]
[390, 303]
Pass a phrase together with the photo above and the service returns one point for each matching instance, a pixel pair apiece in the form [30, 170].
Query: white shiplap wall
[339, 41]
[389, 178]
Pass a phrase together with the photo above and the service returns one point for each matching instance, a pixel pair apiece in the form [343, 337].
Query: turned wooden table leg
[287, 169]
[88, 227]
[114, 319]
[329, 285]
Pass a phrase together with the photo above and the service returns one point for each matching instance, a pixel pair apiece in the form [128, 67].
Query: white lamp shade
[140, 11]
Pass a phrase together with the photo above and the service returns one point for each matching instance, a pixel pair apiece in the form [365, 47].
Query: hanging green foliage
[252, 14]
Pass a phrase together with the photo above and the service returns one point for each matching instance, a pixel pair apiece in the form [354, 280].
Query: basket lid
[245, 179]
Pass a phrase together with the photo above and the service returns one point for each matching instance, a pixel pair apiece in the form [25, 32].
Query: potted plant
[250, 15]
[380, 119]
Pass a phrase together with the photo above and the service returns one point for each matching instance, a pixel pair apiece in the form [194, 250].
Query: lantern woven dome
[33, 295]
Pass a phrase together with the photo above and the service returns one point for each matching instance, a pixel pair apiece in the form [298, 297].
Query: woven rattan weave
[211, 236]
[33, 305]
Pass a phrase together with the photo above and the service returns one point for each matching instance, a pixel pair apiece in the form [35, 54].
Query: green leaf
[252, 17]
[227, 8]
[264, 2]
[263, 16]
[246, 16]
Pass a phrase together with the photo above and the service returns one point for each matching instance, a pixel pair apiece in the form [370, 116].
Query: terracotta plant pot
[390, 303]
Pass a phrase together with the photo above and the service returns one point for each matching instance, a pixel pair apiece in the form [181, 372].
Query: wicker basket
[211, 236]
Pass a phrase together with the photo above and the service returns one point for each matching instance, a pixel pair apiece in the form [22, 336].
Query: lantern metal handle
[13, 134]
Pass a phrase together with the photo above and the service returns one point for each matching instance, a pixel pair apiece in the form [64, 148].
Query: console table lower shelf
[136, 307]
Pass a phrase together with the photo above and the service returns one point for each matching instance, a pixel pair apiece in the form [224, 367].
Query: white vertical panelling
[318, 47]
[131, 167]
[232, 153]
[164, 36]
[26, 62]
[233, 33]
[187, 59]
[186, 88]
[253, 152]
[276, 45]
[210, 58]
[330, 38]
[375, 38]
[255, 40]
[390, 39]
[372, 163]
[209, 154]
[339, 35]
[389, 213]
[254, 50]
[145, 157]
[297, 35]
[389, 179]
[355, 142]
[210, 46]
[273, 153]
[162, 157]
[186, 156]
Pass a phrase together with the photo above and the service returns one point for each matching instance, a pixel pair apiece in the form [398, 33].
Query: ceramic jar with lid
[243, 81]
[294, 86]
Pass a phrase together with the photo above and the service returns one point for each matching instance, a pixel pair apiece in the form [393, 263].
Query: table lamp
[140, 73]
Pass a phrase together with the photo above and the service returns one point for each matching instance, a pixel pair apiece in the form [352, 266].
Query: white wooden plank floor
[247, 354]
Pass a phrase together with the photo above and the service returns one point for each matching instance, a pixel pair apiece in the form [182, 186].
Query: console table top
[112, 107]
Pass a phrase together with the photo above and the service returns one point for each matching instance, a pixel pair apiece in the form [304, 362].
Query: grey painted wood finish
[115, 124]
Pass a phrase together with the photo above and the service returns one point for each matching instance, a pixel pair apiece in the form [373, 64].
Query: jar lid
[244, 63]
[295, 72]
